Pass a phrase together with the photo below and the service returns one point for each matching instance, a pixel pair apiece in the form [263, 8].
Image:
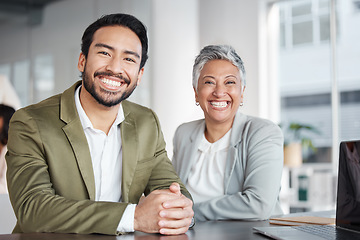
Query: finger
[164, 195]
[175, 188]
[176, 213]
[169, 226]
[178, 223]
[181, 202]
[173, 231]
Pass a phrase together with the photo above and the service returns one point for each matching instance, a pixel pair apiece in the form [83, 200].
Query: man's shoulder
[136, 110]
[52, 105]
[134, 106]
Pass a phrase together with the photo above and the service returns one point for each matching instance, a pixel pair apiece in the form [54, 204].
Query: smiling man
[78, 162]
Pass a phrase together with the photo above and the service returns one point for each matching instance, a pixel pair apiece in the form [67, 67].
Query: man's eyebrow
[111, 48]
[132, 53]
[104, 45]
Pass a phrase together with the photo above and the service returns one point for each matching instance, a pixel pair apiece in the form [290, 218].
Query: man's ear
[81, 62]
[140, 74]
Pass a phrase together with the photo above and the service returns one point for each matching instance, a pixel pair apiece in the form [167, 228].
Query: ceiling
[22, 11]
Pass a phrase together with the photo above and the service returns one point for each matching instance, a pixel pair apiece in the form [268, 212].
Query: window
[44, 77]
[304, 22]
[306, 70]
[356, 5]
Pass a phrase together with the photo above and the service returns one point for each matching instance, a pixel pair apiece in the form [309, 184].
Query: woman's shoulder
[261, 122]
[256, 125]
[191, 125]
[188, 128]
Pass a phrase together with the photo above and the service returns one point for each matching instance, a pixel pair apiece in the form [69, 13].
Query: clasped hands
[165, 211]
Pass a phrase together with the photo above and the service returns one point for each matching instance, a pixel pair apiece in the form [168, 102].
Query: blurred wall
[177, 31]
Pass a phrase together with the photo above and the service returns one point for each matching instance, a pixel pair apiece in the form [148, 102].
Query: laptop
[347, 204]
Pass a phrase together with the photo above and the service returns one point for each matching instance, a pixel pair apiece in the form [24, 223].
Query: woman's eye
[230, 82]
[209, 82]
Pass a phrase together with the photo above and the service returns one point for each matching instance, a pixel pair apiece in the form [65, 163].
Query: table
[210, 230]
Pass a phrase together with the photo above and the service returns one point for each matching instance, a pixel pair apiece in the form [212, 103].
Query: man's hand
[166, 211]
[177, 213]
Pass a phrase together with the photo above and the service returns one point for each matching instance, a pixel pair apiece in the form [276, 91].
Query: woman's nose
[219, 91]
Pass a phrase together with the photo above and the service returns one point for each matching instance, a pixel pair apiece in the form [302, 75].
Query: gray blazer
[252, 173]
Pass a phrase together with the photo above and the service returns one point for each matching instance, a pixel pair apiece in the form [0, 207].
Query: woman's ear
[196, 95]
[242, 94]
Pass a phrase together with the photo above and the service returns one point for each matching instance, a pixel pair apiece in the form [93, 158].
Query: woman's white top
[206, 179]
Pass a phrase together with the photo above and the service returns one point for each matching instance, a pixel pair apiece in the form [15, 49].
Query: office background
[301, 56]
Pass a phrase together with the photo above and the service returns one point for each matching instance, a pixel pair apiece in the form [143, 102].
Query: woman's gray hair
[216, 52]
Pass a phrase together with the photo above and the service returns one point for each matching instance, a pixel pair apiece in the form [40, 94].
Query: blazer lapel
[235, 140]
[191, 150]
[76, 136]
[129, 140]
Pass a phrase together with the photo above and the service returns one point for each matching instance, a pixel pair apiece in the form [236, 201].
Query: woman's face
[219, 91]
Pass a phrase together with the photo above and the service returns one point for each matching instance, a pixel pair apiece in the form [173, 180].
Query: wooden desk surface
[211, 230]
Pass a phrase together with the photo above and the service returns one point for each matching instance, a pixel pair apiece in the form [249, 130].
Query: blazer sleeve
[256, 176]
[163, 173]
[175, 156]
[36, 204]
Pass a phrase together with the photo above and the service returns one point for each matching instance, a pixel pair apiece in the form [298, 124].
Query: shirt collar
[222, 143]
[85, 121]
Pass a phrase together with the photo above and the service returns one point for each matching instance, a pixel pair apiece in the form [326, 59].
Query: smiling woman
[231, 163]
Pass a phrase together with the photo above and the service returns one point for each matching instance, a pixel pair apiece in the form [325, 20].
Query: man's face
[111, 70]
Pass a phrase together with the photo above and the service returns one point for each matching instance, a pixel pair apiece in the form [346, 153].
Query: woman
[230, 162]
[6, 113]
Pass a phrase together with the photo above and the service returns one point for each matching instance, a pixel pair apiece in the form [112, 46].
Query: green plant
[299, 132]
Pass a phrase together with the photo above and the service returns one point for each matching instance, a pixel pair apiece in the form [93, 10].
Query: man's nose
[115, 66]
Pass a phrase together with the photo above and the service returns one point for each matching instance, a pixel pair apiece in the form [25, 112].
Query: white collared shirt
[106, 157]
[206, 179]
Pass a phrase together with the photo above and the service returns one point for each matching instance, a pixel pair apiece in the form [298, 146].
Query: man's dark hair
[119, 19]
[6, 113]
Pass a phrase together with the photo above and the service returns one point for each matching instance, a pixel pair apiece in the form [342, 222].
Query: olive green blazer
[50, 176]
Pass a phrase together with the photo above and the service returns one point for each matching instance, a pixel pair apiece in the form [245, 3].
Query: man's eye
[104, 53]
[129, 59]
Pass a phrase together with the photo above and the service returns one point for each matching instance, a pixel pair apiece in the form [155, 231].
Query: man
[79, 161]
[6, 113]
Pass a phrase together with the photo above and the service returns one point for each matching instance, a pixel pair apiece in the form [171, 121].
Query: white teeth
[111, 82]
[219, 104]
